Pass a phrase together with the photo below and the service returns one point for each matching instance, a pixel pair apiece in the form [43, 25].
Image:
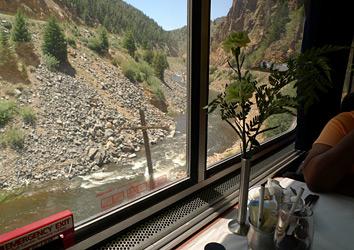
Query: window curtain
[328, 22]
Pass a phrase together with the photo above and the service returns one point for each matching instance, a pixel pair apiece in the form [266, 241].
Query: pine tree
[148, 55]
[4, 39]
[160, 64]
[54, 42]
[101, 44]
[8, 58]
[146, 45]
[8, 61]
[103, 37]
[86, 17]
[20, 32]
[6, 54]
[129, 42]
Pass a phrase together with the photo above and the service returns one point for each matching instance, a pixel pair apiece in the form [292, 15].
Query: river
[86, 196]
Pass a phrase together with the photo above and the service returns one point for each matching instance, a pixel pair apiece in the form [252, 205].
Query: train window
[102, 122]
[275, 33]
[113, 124]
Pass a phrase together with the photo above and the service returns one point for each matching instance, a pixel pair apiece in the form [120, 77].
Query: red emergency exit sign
[41, 232]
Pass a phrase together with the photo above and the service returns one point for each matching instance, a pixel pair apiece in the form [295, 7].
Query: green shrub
[94, 44]
[71, 41]
[137, 57]
[75, 30]
[129, 69]
[99, 45]
[160, 63]
[212, 69]
[155, 86]
[114, 61]
[148, 56]
[211, 79]
[51, 62]
[7, 25]
[281, 121]
[153, 81]
[14, 138]
[158, 92]
[146, 70]
[117, 60]
[7, 109]
[85, 41]
[32, 68]
[138, 77]
[28, 114]
[130, 74]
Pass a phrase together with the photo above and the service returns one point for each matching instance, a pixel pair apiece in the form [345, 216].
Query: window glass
[74, 110]
[275, 30]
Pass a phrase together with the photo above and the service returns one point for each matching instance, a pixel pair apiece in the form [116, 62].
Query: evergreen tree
[20, 32]
[86, 17]
[8, 61]
[117, 16]
[6, 53]
[54, 42]
[279, 20]
[129, 42]
[101, 44]
[148, 55]
[103, 37]
[146, 45]
[4, 39]
[7, 56]
[160, 64]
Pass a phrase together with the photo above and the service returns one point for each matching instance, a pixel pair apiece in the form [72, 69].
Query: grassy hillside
[20, 61]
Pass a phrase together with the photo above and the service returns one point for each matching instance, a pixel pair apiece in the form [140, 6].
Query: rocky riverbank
[78, 121]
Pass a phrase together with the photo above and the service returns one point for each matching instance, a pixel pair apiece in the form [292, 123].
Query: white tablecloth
[333, 219]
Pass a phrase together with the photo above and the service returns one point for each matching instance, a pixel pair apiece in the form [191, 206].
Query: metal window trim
[198, 68]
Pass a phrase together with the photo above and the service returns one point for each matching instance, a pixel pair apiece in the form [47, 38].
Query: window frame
[106, 224]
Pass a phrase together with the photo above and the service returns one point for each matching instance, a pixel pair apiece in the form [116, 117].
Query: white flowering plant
[309, 71]
[244, 92]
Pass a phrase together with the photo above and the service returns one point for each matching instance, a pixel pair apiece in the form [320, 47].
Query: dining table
[333, 224]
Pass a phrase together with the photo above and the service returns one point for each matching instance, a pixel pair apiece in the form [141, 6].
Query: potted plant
[245, 93]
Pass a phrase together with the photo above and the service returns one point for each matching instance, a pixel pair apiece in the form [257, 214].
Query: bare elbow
[318, 185]
[317, 172]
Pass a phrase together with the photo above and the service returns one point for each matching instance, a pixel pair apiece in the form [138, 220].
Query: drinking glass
[294, 230]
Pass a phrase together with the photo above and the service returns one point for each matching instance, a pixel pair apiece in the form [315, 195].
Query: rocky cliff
[40, 9]
[261, 18]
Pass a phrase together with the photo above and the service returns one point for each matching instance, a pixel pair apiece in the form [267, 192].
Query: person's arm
[327, 168]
